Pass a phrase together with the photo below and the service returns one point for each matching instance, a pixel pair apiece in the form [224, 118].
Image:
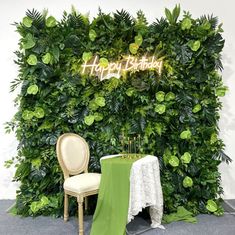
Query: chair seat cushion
[82, 183]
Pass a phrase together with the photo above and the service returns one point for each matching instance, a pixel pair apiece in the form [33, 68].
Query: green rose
[160, 96]
[197, 108]
[174, 161]
[138, 39]
[186, 24]
[27, 115]
[100, 101]
[211, 206]
[187, 182]
[133, 48]
[27, 22]
[98, 116]
[92, 35]
[39, 112]
[46, 59]
[194, 45]
[89, 120]
[186, 158]
[32, 60]
[160, 108]
[169, 96]
[86, 56]
[185, 135]
[50, 22]
[32, 90]
[93, 105]
[103, 62]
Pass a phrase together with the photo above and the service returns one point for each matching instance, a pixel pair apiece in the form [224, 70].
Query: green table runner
[110, 216]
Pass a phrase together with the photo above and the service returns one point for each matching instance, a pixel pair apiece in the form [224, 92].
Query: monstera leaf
[211, 206]
[28, 41]
[32, 60]
[133, 48]
[89, 120]
[160, 96]
[92, 35]
[50, 22]
[86, 56]
[32, 90]
[186, 158]
[27, 22]
[187, 182]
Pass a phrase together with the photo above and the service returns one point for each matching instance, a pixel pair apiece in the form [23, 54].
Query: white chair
[73, 156]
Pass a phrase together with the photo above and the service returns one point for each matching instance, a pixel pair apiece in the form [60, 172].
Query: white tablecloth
[145, 189]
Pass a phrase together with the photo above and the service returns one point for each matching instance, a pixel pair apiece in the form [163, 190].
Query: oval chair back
[73, 154]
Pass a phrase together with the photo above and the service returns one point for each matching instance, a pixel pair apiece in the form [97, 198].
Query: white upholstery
[73, 152]
[83, 182]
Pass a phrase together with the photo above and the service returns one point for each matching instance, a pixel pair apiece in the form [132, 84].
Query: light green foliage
[211, 206]
[175, 113]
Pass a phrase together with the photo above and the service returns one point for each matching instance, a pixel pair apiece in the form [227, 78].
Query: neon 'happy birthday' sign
[115, 69]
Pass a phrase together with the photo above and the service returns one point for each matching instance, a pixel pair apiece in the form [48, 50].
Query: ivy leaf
[86, 56]
[187, 182]
[89, 120]
[138, 39]
[27, 22]
[32, 90]
[32, 60]
[160, 108]
[39, 112]
[185, 134]
[103, 62]
[27, 115]
[92, 35]
[194, 45]
[50, 22]
[186, 158]
[174, 161]
[197, 108]
[211, 206]
[186, 23]
[28, 41]
[133, 48]
[47, 58]
[100, 101]
[160, 96]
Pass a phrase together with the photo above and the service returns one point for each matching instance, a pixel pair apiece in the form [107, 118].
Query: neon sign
[115, 69]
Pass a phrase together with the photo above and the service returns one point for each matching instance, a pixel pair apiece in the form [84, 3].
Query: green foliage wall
[176, 113]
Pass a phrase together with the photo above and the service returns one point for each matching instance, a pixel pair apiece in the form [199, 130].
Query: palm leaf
[37, 17]
[123, 17]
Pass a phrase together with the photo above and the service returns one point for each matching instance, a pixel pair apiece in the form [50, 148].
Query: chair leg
[66, 207]
[86, 203]
[80, 215]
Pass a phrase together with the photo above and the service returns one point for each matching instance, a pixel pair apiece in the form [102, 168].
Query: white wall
[14, 10]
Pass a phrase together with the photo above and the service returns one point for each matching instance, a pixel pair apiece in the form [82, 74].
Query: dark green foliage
[176, 113]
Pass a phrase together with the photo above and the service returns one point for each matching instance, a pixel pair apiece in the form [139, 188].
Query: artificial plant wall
[176, 113]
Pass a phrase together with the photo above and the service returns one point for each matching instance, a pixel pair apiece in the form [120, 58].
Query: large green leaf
[187, 182]
[28, 41]
[27, 22]
[51, 22]
[32, 90]
[32, 60]
[211, 206]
